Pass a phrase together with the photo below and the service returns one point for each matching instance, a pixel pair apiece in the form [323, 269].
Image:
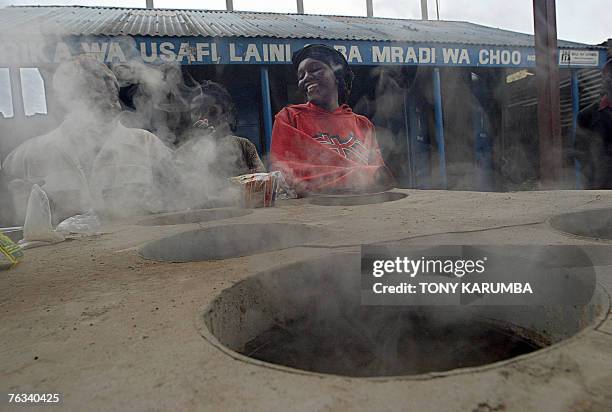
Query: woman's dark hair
[334, 59]
[222, 98]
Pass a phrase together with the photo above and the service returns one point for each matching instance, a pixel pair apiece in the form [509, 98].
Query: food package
[257, 189]
[10, 250]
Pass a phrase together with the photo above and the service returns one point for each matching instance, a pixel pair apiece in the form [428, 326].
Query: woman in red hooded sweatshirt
[322, 146]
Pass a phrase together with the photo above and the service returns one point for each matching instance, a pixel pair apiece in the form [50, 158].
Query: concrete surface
[108, 330]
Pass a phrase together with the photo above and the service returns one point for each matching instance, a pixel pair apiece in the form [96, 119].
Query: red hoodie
[321, 151]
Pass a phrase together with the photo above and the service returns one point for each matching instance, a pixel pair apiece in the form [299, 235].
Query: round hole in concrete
[229, 241]
[193, 216]
[355, 200]
[589, 223]
[308, 316]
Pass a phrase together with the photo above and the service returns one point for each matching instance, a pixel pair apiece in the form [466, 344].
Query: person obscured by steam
[80, 164]
[594, 137]
[60, 161]
[196, 122]
[208, 152]
[213, 117]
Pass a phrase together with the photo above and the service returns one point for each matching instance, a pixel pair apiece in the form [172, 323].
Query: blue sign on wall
[202, 50]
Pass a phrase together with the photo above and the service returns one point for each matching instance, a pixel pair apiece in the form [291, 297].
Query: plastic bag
[85, 224]
[284, 191]
[37, 229]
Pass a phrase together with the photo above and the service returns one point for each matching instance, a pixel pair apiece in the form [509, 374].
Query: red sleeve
[310, 167]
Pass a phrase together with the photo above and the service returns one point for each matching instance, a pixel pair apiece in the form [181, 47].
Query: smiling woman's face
[319, 82]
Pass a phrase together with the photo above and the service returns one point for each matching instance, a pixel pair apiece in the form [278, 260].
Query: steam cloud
[118, 163]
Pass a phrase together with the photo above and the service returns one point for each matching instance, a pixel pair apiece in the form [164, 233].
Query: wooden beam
[547, 81]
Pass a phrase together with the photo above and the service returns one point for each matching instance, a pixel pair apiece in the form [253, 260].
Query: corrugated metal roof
[81, 20]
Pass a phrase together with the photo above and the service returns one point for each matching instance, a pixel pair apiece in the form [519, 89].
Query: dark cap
[334, 59]
[321, 52]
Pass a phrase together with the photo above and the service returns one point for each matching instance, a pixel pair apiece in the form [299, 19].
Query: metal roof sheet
[82, 20]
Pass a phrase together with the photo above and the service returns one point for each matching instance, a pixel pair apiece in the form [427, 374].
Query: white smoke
[97, 157]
